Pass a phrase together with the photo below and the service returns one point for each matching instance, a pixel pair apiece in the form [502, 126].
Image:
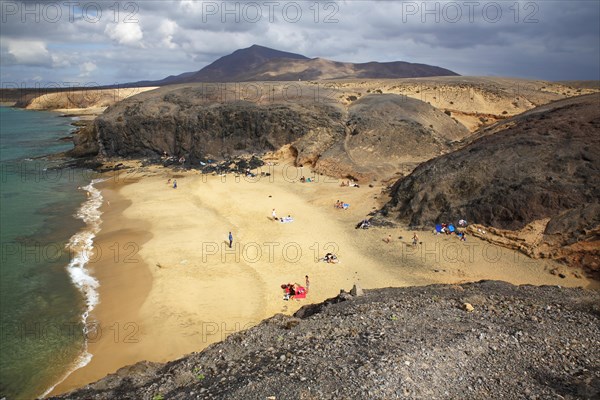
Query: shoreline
[109, 323]
[186, 289]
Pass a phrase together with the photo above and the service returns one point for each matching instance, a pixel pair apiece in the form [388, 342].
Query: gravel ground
[485, 340]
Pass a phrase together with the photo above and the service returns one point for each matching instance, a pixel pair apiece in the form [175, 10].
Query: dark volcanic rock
[544, 163]
[476, 341]
[374, 139]
[182, 122]
[86, 143]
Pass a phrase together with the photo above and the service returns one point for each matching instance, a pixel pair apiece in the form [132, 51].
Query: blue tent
[451, 228]
[438, 228]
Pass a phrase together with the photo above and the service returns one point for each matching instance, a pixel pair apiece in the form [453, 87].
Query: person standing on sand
[307, 284]
[175, 184]
[274, 215]
[230, 239]
[415, 239]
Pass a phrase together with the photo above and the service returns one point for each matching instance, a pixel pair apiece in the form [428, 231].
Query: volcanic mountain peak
[257, 63]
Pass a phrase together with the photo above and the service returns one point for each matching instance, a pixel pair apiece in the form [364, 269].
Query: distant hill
[259, 63]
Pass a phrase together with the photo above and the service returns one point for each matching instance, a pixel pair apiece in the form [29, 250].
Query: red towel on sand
[300, 293]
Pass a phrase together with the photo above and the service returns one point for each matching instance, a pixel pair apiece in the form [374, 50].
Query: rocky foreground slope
[477, 341]
[543, 165]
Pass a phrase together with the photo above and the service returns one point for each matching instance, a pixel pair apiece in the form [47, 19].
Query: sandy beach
[170, 284]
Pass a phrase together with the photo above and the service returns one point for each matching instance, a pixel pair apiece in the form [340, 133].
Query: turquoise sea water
[41, 305]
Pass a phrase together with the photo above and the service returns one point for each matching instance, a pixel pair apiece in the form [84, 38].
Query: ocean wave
[81, 245]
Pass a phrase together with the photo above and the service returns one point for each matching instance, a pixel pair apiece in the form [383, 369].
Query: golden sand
[170, 285]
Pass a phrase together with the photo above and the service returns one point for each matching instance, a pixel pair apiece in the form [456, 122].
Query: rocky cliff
[372, 137]
[478, 341]
[543, 164]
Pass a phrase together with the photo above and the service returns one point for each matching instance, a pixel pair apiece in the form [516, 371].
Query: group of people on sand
[174, 183]
[282, 219]
[295, 290]
[450, 229]
[303, 179]
[341, 205]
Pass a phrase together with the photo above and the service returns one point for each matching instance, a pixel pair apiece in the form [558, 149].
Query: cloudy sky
[94, 42]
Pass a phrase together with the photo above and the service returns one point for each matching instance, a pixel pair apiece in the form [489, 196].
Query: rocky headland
[536, 173]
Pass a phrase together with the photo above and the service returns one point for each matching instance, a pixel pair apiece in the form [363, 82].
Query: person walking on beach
[274, 215]
[175, 184]
[307, 284]
[230, 239]
[415, 239]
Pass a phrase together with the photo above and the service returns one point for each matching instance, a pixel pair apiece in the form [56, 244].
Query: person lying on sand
[286, 219]
[364, 224]
[292, 289]
[388, 239]
[331, 258]
[289, 291]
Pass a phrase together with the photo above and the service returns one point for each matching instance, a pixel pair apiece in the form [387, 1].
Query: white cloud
[29, 52]
[166, 30]
[129, 34]
[86, 69]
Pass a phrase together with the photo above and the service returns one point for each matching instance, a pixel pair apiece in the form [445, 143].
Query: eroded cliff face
[374, 138]
[180, 126]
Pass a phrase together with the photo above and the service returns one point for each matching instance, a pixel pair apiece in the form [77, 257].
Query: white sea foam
[81, 246]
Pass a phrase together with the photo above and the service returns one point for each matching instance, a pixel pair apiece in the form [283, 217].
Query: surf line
[81, 246]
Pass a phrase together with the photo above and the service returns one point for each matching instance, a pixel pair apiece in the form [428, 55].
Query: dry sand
[174, 287]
